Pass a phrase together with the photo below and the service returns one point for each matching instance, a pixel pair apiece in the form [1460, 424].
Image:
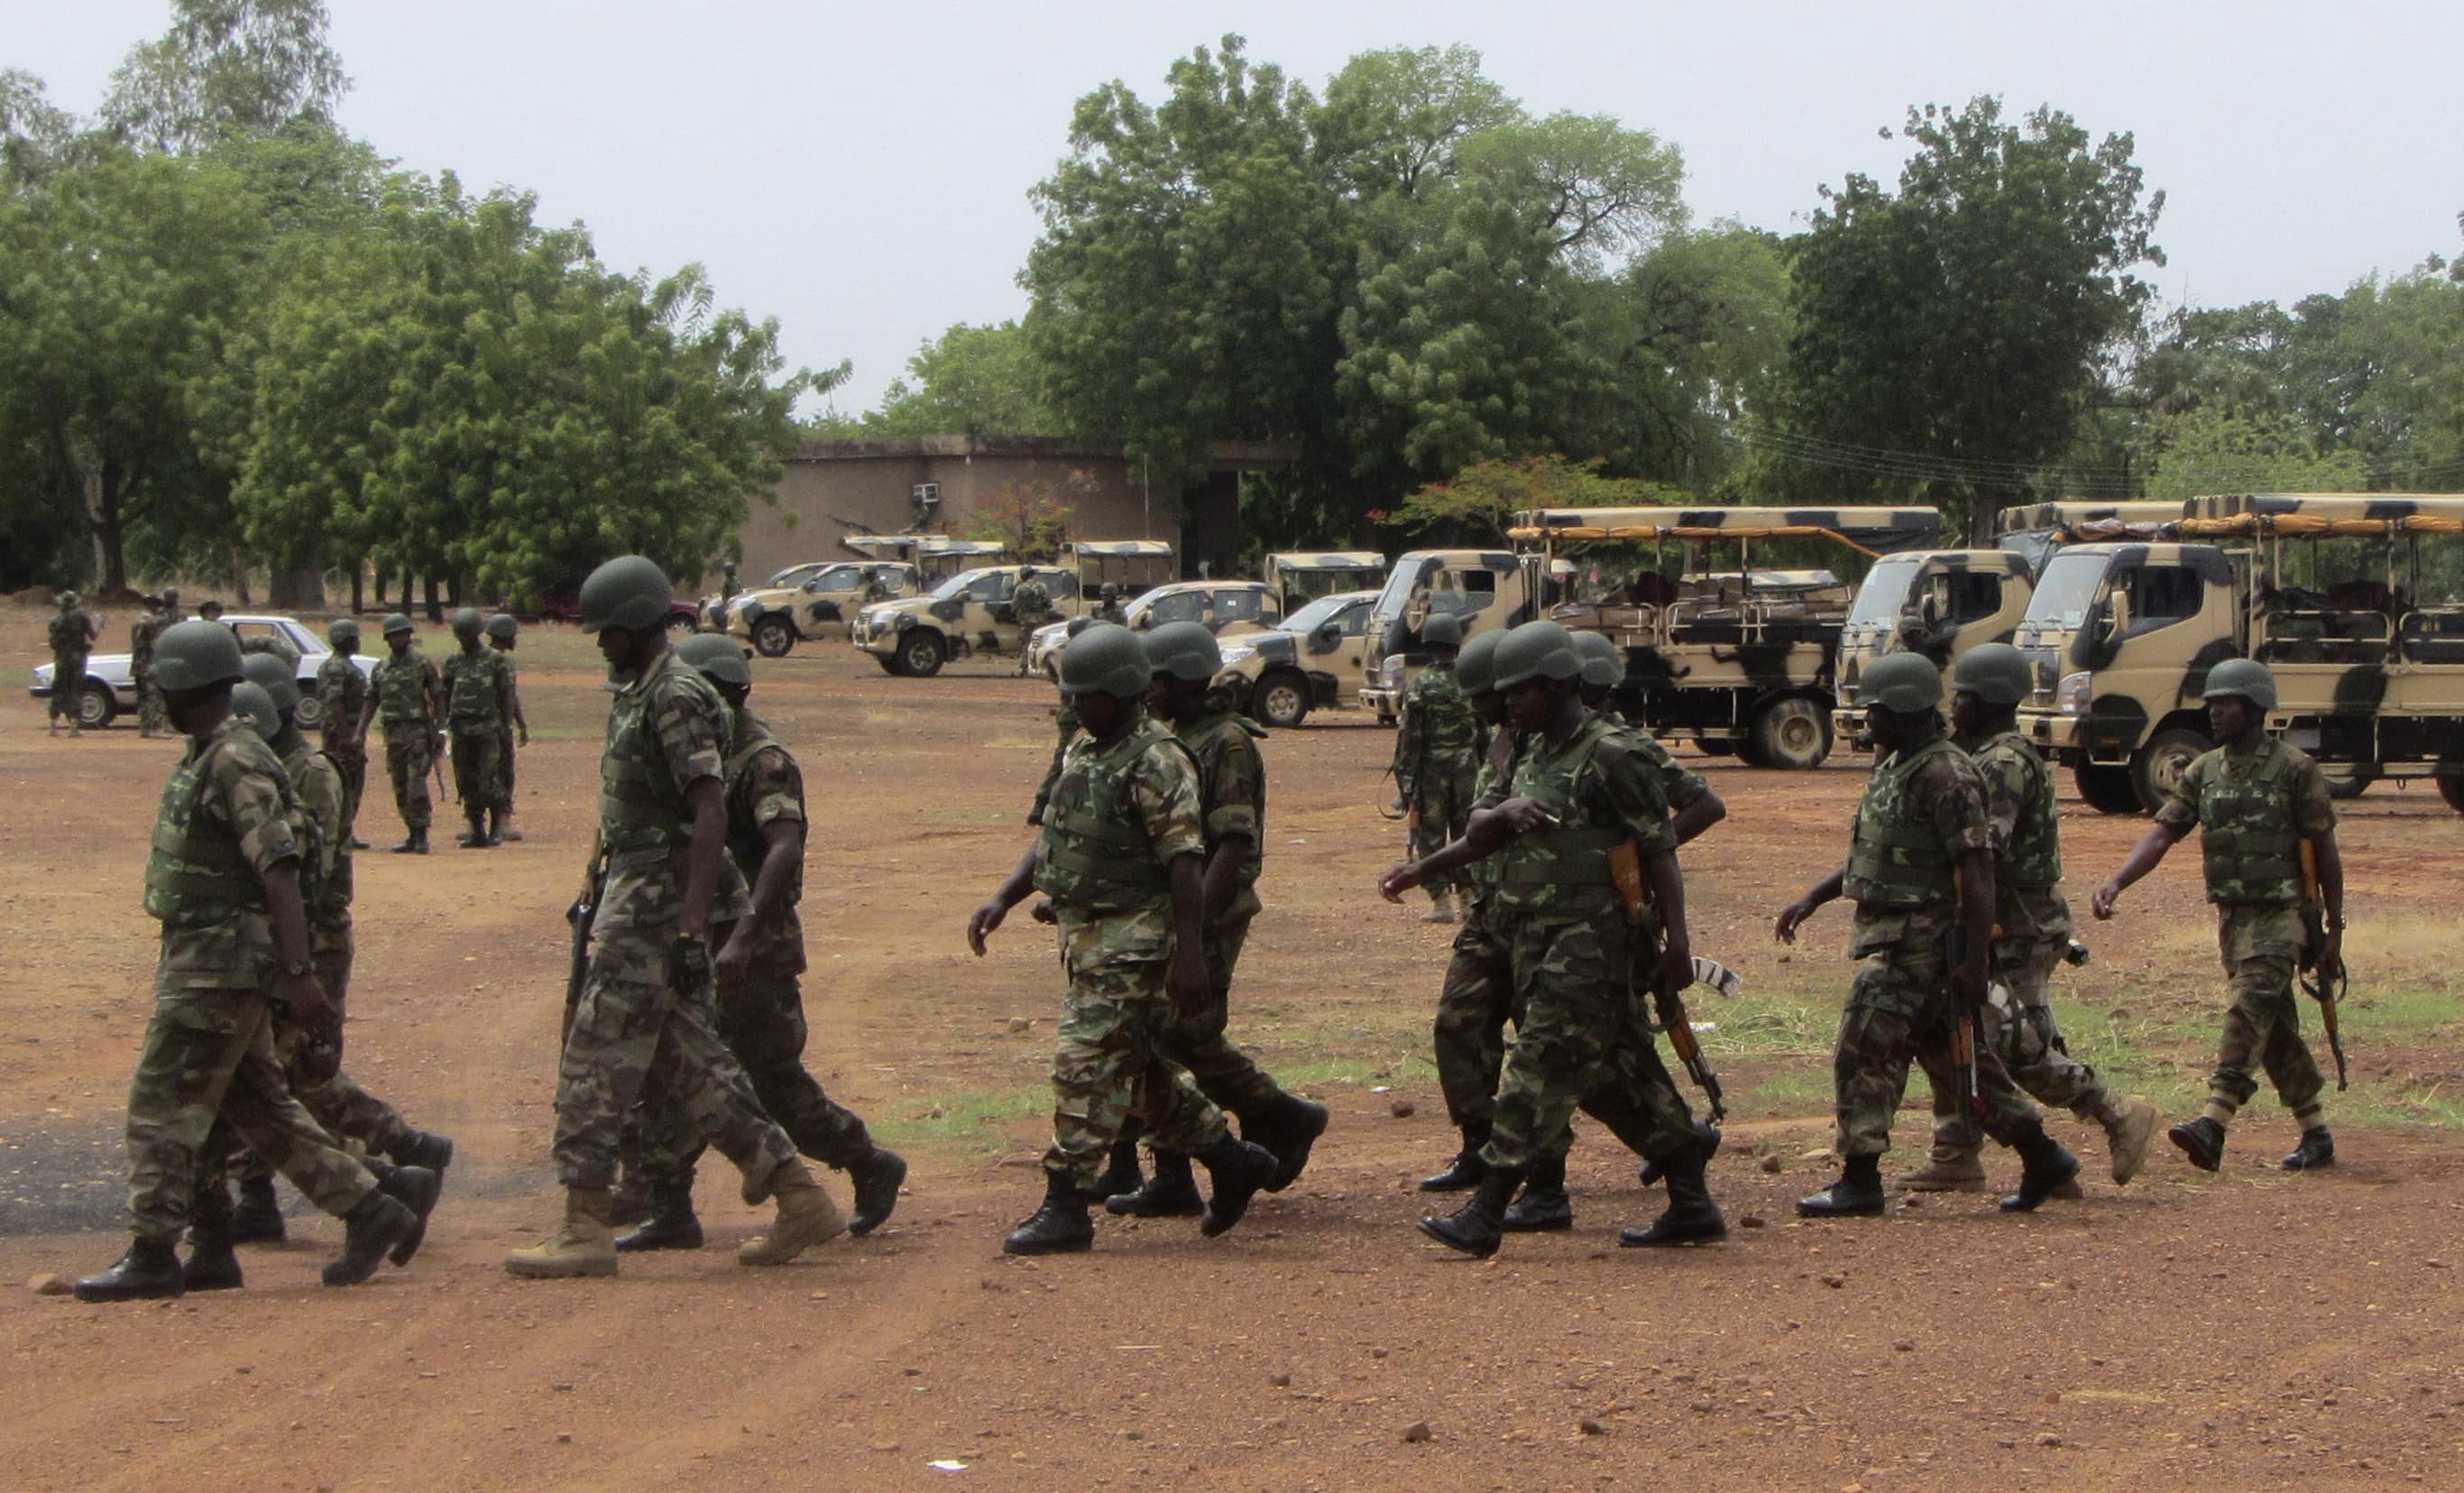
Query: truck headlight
[1236, 652]
[2071, 694]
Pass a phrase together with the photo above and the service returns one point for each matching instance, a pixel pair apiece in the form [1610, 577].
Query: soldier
[1437, 755]
[728, 589]
[478, 702]
[502, 632]
[342, 725]
[2032, 933]
[761, 1007]
[1032, 604]
[224, 881]
[1122, 858]
[1108, 604]
[143, 632]
[645, 1013]
[74, 631]
[210, 610]
[1920, 869]
[405, 693]
[2264, 822]
[1232, 796]
[1579, 800]
[1065, 723]
[346, 1110]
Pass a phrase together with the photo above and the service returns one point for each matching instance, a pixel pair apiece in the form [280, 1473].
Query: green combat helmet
[1475, 666]
[68, 599]
[344, 630]
[1444, 630]
[717, 657]
[467, 623]
[2242, 678]
[250, 702]
[395, 622]
[1077, 625]
[503, 627]
[1904, 683]
[194, 654]
[627, 592]
[1107, 660]
[1996, 673]
[1535, 651]
[1185, 651]
[271, 674]
[1603, 661]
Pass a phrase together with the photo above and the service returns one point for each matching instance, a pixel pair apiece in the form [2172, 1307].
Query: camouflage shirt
[1946, 799]
[73, 633]
[405, 687]
[225, 821]
[1158, 801]
[476, 692]
[319, 798]
[1681, 784]
[142, 634]
[667, 729]
[1232, 793]
[1030, 601]
[2020, 808]
[1604, 791]
[342, 692]
[2266, 799]
[764, 787]
[1439, 734]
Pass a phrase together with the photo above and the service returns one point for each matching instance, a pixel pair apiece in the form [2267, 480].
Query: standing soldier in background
[761, 1007]
[1437, 756]
[502, 630]
[143, 632]
[1108, 604]
[342, 696]
[643, 1016]
[2261, 810]
[74, 631]
[728, 589]
[478, 695]
[405, 693]
[1032, 604]
[1920, 869]
[2032, 932]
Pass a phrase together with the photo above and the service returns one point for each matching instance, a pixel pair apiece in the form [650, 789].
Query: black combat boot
[1691, 1216]
[414, 843]
[477, 838]
[369, 1230]
[1543, 1207]
[415, 1187]
[258, 1217]
[876, 1178]
[670, 1224]
[2045, 1167]
[1172, 1192]
[2202, 1142]
[630, 1202]
[495, 826]
[1060, 1227]
[1121, 1173]
[149, 1271]
[1479, 1226]
[1703, 1132]
[1856, 1195]
[422, 1149]
[212, 1264]
[1288, 1127]
[1237, 1170]
[1465, 1171]
[2317, 1148]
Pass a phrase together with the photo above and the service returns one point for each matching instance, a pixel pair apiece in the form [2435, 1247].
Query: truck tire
[2107, 788]
[1281, 700]
[920, 653]
[2351, 780]
[773, 636]
[1791, 732]
[310, 711]
[2158, 766]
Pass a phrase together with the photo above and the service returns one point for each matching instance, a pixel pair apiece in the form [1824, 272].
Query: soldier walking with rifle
[2268, 842]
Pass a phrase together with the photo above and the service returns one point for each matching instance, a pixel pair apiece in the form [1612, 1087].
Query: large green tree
[225, 68]
[971, 380]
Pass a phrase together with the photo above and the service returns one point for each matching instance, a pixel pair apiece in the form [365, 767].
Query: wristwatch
[296, 967]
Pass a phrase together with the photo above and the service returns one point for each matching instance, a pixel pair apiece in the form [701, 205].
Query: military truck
[814, 602]
[1226, 609]
[1317, 655]
[1483, 588]
[2354, 600]
[970, 613]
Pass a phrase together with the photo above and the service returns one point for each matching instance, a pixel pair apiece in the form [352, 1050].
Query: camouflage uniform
[1118, 819]
[478, 695]
[666, 731]
[762, 1020]
[2253, 810]
[1030, 603]
[1922, 809]
[142, 634]
[505, 733]
[405, 688]
[1436, 757]
[342, 693]
[226, 819]
[73, 633]
[1065, 723]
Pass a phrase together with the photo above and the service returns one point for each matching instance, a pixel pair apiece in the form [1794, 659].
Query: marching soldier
[408, 695]
[1920, 869]
[74, 631]
[342, 725]
[502, 632]
[478, 697]
[2261, 810]
[1122, 858]
[1437, 756]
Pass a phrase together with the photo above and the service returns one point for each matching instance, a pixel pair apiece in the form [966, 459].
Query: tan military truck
[1226, 609]
[970, 613]
[1317, 657]
[814, 602]
[2353, 600]
[1937, 602]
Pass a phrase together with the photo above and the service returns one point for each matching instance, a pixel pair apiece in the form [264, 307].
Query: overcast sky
[860, 172]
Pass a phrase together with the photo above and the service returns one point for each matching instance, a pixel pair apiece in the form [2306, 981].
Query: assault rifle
[2327, 985]
[585, 909]
[1625, 868]
[1967, 1096]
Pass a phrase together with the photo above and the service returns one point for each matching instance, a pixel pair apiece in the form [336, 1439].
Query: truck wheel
[920, 653]
[772, 637]
[1281, 702]
[2350, 781]
[2107, 788]
[1791, 732]
[1714, 746]
[2158, 766]
[95, 705]
[889, 662]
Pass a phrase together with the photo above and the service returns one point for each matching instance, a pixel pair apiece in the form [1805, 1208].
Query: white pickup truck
[111, 685]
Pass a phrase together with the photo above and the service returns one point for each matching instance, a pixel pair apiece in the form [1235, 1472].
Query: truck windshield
[1397, 588]
[2063, 597]
[1885, 591]
[1317, 613]
[956, 585]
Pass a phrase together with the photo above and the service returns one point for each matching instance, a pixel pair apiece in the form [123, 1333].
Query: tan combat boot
[2129, 1126]
[806, 1218]
[1950, 1169]
[584, 1244]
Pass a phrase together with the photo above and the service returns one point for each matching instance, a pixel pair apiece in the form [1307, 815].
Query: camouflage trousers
[1473, 1007]
[2017, 1025]
[350, 753]
[1108, 1063]
[505, 769]
[71, 669]
[477, 773]
[1581, 1042]
[347, 1111]
[2262, 946]
[1442, 807]
[409, 748]
[761, 1022]
[1898, 1010]
[1229, 1079]
[632, 1029]
[149, 704]
[208, 1056]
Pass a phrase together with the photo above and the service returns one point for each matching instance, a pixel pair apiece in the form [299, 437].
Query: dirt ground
[2254, 1328]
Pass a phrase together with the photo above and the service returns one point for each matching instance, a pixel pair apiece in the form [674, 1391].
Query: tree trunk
[359, 575]
[297, 588]
[110, 528]
[435, 607]
[239, 577]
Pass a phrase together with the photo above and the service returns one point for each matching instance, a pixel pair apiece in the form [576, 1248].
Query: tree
[1476, 504]
[225, 67]
[1968, 319]
[972, 381]
[1030, 515]
[2210, 450]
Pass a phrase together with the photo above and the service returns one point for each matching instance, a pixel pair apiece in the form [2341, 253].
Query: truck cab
[1483, 588]
[1937, 602]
